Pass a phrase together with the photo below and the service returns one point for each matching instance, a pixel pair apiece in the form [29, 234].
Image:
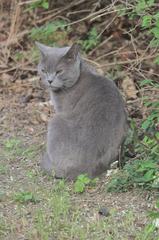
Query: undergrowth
[50, 33]
[92, 40]
[143, 169]
[38, 4]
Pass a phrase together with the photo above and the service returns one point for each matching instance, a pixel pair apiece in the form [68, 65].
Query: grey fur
[90, 123]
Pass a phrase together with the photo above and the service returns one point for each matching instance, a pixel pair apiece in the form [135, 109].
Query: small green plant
[41, 225]
[39, 3]
[59, 205]
[142, 172]
[147, 15]
[4, 226]
[91, 41]
[139, 173]
[3, 169]
[155, 213]
[150, 231]
[32, 175]
[13, 147]
[12, 144]
[18, 56]
[25, 197]
[51, 32]
[82, 182]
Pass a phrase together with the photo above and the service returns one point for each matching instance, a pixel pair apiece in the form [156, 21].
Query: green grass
[35, 206]
[13, 148]
[143, 170]
[58, 216]
[3, 169]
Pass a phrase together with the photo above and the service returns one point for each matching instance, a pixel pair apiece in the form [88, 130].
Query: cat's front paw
[45, 163]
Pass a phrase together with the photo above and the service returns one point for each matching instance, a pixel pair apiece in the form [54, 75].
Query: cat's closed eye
[59, 71]
[44, 70]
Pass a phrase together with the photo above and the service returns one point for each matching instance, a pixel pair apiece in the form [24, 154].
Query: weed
[42, 228]
[25, 197]
[3, 226]
[29, 55]
[13, 147]
[142, 172]
[58, 203]
[139, 173]
[150, 230]
[18, 56]
[3, 169]
[155, 214]
[31, 174]
[41, 3]
[91, 41]
[82, 182]
[145, 12]
[46, 33]
[12, 144]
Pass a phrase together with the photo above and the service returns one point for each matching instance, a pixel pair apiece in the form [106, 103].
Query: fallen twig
[74, 3]
[100, 45]
[128, 61]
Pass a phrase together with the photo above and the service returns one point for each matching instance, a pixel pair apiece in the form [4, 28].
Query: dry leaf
[44, 117]
[5, 79]
[129, 88]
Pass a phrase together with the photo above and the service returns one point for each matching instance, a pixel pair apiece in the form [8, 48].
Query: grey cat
[90, 123]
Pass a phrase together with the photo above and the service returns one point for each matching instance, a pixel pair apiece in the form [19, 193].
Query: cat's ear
[42, 48]
[72, 53]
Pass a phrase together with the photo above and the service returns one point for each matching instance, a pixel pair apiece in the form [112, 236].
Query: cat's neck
[65, 100]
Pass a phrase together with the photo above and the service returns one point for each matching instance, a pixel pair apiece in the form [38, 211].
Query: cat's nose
[50, 81]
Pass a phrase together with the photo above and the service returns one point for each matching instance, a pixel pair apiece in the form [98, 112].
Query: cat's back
[102, 91]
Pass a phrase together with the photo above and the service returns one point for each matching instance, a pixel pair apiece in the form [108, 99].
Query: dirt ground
[34, 205]
[22, 141]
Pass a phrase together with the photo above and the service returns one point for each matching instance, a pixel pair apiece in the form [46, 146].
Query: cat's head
[59, 68]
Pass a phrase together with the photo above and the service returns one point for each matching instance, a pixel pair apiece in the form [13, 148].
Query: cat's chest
[57, 102]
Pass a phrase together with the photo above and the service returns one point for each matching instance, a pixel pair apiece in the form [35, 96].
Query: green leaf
[156, 16]
[146, 165]
[157, 135]
[25, 197]
[79, 187]
[156, 61]
[146, 82]
[45, 5]
[154, 42]
[157, 23]
[153, 214]
[141, 5]
[155, 32]
[150, 3]
[149, 176]
[84, 178]
[146, 21]
[91, 41]
[157, 204]
[146, 124]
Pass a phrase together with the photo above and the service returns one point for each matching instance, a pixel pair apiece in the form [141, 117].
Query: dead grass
[35, 206]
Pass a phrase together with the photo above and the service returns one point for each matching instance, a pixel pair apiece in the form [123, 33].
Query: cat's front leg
[45, 163]
[47, 166]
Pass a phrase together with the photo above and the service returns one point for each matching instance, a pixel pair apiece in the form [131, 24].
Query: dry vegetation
[120, 38]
